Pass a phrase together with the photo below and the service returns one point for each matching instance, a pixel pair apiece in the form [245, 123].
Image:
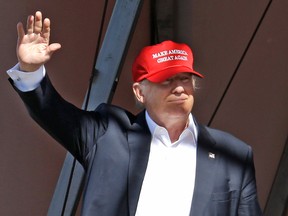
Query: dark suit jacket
[113, 146]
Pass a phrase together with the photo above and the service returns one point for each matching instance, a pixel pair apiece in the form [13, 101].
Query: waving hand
[33, 48]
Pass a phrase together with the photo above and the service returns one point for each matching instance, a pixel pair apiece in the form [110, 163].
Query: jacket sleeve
[72, 127]
[248, 200]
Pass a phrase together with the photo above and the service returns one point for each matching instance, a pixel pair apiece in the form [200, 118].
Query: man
[157, 163]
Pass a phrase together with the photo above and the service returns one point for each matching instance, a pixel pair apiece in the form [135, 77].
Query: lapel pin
[211, 155]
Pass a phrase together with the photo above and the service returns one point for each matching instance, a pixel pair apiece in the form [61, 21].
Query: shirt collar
[152, 125]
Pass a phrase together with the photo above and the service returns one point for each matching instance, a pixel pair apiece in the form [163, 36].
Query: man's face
[171, 99]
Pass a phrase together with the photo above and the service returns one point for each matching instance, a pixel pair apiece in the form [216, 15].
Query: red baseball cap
[161, 61]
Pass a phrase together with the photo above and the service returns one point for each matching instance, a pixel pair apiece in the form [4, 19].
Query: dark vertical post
[162, 20]
[277, 203]
[107, 69]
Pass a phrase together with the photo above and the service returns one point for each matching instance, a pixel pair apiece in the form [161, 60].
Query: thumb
[54, 47]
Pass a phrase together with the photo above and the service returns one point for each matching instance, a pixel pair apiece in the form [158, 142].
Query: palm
[33, 49]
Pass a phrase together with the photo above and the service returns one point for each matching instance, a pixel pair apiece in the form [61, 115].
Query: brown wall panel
[256, 105]
[218, 32]
[254, 108]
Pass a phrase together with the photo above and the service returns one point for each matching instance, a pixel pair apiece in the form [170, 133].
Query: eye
[185, 79]
[166, 82]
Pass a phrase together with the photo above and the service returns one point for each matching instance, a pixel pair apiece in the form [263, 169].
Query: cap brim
[161, 76]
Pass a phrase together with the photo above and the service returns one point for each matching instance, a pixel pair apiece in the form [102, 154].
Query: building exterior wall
[241, 53]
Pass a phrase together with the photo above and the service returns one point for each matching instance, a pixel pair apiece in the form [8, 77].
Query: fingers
[38, 23]
[46, 28]
[34, 23]
[30, 24]
[20, 30]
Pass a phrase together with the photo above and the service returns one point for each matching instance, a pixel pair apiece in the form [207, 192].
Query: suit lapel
[205, 169]
[139, 139]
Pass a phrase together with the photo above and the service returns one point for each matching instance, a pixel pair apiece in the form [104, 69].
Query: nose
[178, 87]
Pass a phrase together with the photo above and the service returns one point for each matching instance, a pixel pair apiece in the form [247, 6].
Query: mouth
[177, 100]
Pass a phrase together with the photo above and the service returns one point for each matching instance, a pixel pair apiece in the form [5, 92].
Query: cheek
[154, 101]
[151, 95]
[191, 101]
[151, 99]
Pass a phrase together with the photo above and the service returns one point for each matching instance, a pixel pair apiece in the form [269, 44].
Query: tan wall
[254, 108]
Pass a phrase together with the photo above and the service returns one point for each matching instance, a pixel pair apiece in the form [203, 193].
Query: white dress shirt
[169, 180]
[26, 81]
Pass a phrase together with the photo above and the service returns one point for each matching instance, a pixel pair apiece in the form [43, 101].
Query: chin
[182, 114]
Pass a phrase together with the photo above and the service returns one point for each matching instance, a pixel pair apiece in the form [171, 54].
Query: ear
[138, 92]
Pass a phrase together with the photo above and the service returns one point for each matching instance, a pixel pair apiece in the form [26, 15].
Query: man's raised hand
[33, 48]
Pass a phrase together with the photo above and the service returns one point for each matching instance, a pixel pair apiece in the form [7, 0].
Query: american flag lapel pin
[211, 155]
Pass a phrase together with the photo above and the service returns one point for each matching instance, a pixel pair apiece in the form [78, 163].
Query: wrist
[28, 67]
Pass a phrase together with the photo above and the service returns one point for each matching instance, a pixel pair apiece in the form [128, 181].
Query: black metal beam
[107, 69]
[277, 204]
[162, 18]
[113, 51]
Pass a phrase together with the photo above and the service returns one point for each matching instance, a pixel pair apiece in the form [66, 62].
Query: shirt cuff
[26, 81]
